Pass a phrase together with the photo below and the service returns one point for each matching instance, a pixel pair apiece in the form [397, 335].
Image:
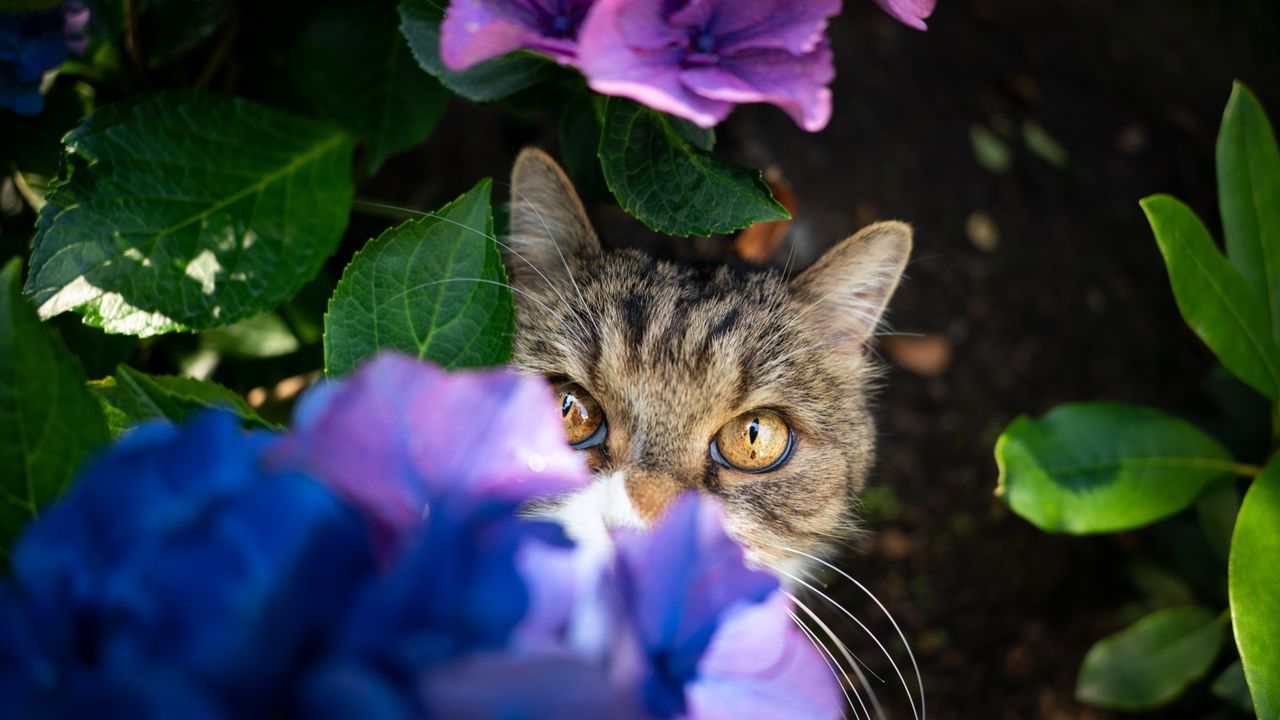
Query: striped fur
[672, 353]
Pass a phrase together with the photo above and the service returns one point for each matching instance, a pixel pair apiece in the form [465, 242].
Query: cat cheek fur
[673, 352]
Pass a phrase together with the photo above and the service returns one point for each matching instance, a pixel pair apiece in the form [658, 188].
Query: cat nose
[651, 492]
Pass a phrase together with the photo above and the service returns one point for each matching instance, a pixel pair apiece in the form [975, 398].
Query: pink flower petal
[911, 13]
[798, 85]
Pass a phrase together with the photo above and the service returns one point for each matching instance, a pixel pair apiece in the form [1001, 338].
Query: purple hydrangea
[700, 635]
[697, 59]
[33, 43]
[477, 30]
[205, 572]
[400, 434]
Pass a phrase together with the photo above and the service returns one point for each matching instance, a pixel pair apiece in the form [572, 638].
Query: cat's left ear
[846, 291]
[550, 231]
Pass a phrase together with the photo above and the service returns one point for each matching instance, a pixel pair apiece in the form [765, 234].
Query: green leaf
[490, 80]
[131, 397]
[1249, 198]
[189, 210]
[48, 421]
[1214, 299]
[1104, 467]
[264, 336]
[1152, 661]
[671, 184]
[433, 288]
[1231, 688]
[1216, 510]
[1253, 578]
[579, 136]
[353, 66]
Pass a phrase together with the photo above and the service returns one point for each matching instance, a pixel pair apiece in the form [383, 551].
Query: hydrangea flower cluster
[33, 43]
[696, 59]
[374, 564]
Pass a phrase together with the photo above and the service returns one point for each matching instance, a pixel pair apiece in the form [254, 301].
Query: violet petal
[911, 13]
[798, 85]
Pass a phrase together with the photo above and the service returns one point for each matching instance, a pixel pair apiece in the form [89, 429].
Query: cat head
[748, 386]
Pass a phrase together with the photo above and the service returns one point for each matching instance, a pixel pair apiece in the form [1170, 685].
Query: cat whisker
[551, 236]
[486, 281]
[901, 635]
[849, 658]
[499, 243]
[832, 665]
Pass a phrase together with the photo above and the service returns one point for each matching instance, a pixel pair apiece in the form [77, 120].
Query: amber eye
[757, 441]
[583, 419]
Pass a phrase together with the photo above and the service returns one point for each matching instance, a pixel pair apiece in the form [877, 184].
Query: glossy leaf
[1249, 197]
[1215, 300]
[353, 65]
[1254, 582]
[131, 396]
[1152, 661]
[490, 80]
[1103, 467]
[48, 421]
[189, 210]
[433, 288]
[673, 185]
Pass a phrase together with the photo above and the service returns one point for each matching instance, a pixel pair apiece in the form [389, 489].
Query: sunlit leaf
[189, 210]
[1104, 467]
[1254, 583]
[1215, 300]
[433, 288]
[1249, 197]
[131, 396]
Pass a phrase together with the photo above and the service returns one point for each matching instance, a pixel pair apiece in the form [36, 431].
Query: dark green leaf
[1104, 467]
[352, 64]
[1216, 510]
[174, 27]
[1254, 581]
[189, 210]
[580, 143]
[131, 397]
[1214, 299]
[1152, 661]
[433, 288]
[1231, 688]
[1249, 198]
[672, 185]
[490, 80]
[48, 421]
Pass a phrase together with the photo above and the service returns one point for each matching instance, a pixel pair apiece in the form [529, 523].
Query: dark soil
[1071, 302]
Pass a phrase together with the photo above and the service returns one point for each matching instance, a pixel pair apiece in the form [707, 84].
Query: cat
[747, 386]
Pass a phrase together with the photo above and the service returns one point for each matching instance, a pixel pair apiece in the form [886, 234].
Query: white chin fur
[588, 514]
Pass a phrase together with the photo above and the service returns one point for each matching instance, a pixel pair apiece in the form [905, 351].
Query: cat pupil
[754, 431]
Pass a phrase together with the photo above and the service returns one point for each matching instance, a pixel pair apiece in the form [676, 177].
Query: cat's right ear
[550, 232]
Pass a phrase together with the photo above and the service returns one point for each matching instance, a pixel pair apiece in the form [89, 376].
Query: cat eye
[754, 442]
[583, 419]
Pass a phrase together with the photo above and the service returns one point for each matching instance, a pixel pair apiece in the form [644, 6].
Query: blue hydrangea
[178, 569]
[374, 564]
[33, 43]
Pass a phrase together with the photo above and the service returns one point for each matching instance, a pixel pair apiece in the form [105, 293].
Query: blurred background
[1017, 137]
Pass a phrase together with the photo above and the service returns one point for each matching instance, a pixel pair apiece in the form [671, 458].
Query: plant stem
[132, 41]
[1246, 470]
